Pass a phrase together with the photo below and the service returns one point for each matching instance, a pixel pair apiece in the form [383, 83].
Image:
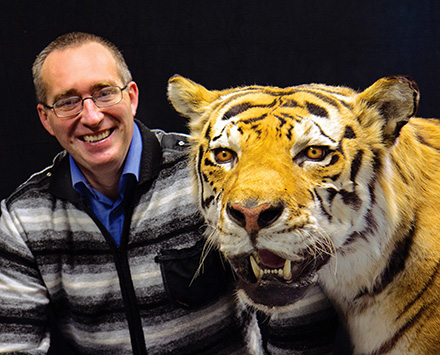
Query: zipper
[130, 302]
[125, 281]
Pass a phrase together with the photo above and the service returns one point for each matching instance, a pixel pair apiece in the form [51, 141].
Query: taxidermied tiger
[323, 182]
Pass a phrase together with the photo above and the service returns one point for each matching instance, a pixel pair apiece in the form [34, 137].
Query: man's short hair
[75, 39]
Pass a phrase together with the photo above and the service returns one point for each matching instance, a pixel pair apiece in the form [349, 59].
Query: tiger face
[287, 178]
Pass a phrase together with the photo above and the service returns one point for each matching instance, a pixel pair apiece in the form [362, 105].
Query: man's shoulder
[175, 149]
[37, 186]
[169, 141]
[172, 141]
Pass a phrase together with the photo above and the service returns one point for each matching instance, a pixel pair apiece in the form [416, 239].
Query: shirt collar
[133, 161]
[131, 166]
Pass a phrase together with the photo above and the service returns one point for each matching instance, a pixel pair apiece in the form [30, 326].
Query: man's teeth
[97, 137]
[286, 271]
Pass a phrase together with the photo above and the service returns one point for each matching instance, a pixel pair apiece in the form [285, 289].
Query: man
[109, 237]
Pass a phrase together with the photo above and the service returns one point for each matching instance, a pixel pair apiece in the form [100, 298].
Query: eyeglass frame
[86, 98]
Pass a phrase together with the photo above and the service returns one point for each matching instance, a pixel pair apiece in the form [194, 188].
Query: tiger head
[284, 176]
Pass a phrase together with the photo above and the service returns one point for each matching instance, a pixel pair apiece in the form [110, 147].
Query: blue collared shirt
[111, 214]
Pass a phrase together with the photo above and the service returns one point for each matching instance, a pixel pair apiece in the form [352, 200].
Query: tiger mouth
[273, 281]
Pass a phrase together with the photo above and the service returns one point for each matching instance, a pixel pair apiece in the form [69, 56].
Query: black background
[219, 44]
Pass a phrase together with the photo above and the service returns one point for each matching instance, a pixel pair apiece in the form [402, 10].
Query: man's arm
[23, 296]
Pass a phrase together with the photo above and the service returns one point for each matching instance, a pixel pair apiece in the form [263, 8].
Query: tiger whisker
[332, 252]
[322, 244]
[207, 247]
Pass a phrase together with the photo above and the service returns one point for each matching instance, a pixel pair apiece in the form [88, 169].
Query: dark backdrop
[219, 44]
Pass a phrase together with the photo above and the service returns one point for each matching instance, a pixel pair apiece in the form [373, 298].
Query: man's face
[98, 139]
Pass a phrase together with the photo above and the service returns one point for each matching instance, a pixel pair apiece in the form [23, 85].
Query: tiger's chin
[267, 281]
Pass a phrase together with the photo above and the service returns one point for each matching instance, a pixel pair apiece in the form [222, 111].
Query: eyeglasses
[71, 106]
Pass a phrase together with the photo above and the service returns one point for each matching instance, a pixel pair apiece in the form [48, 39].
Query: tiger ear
[190, 99]
[395, 99]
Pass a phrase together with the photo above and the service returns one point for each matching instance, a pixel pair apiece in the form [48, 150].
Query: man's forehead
[89, 52]
[88, 65]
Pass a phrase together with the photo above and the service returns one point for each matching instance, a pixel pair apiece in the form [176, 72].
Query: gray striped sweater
[140, 297]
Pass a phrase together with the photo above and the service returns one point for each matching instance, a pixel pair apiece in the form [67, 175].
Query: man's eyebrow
[101, 85]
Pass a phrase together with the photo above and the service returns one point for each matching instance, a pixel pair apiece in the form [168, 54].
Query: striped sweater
[140, 297]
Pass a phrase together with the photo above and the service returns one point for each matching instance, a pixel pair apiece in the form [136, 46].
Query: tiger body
[318, 182]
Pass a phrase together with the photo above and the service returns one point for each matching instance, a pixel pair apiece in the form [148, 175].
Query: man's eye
[106, 94]
[67, 103]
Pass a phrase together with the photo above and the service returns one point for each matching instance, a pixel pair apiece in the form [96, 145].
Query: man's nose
[91, 114]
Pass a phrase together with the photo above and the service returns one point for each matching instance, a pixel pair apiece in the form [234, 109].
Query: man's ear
[133, 92]
[42, 113]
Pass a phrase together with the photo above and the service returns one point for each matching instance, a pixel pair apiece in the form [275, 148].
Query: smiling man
[78, 79]
[109, 237]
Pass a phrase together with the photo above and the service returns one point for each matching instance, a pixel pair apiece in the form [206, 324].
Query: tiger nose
[256, 218]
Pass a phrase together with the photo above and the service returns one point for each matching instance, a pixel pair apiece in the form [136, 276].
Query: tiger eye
[315, 152]
[223, 156]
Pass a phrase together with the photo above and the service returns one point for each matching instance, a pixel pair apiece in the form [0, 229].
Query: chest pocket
[192, 286]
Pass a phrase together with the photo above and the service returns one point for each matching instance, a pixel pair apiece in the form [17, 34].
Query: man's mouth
[93, 138]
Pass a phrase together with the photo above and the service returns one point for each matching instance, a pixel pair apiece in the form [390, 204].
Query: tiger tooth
[287, 270]
[257, 257]
[255, 268]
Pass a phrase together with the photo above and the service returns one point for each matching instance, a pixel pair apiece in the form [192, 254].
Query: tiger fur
[323, 182]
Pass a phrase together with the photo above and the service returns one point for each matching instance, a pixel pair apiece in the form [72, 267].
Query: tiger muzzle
[268, 278]
[255, 218]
